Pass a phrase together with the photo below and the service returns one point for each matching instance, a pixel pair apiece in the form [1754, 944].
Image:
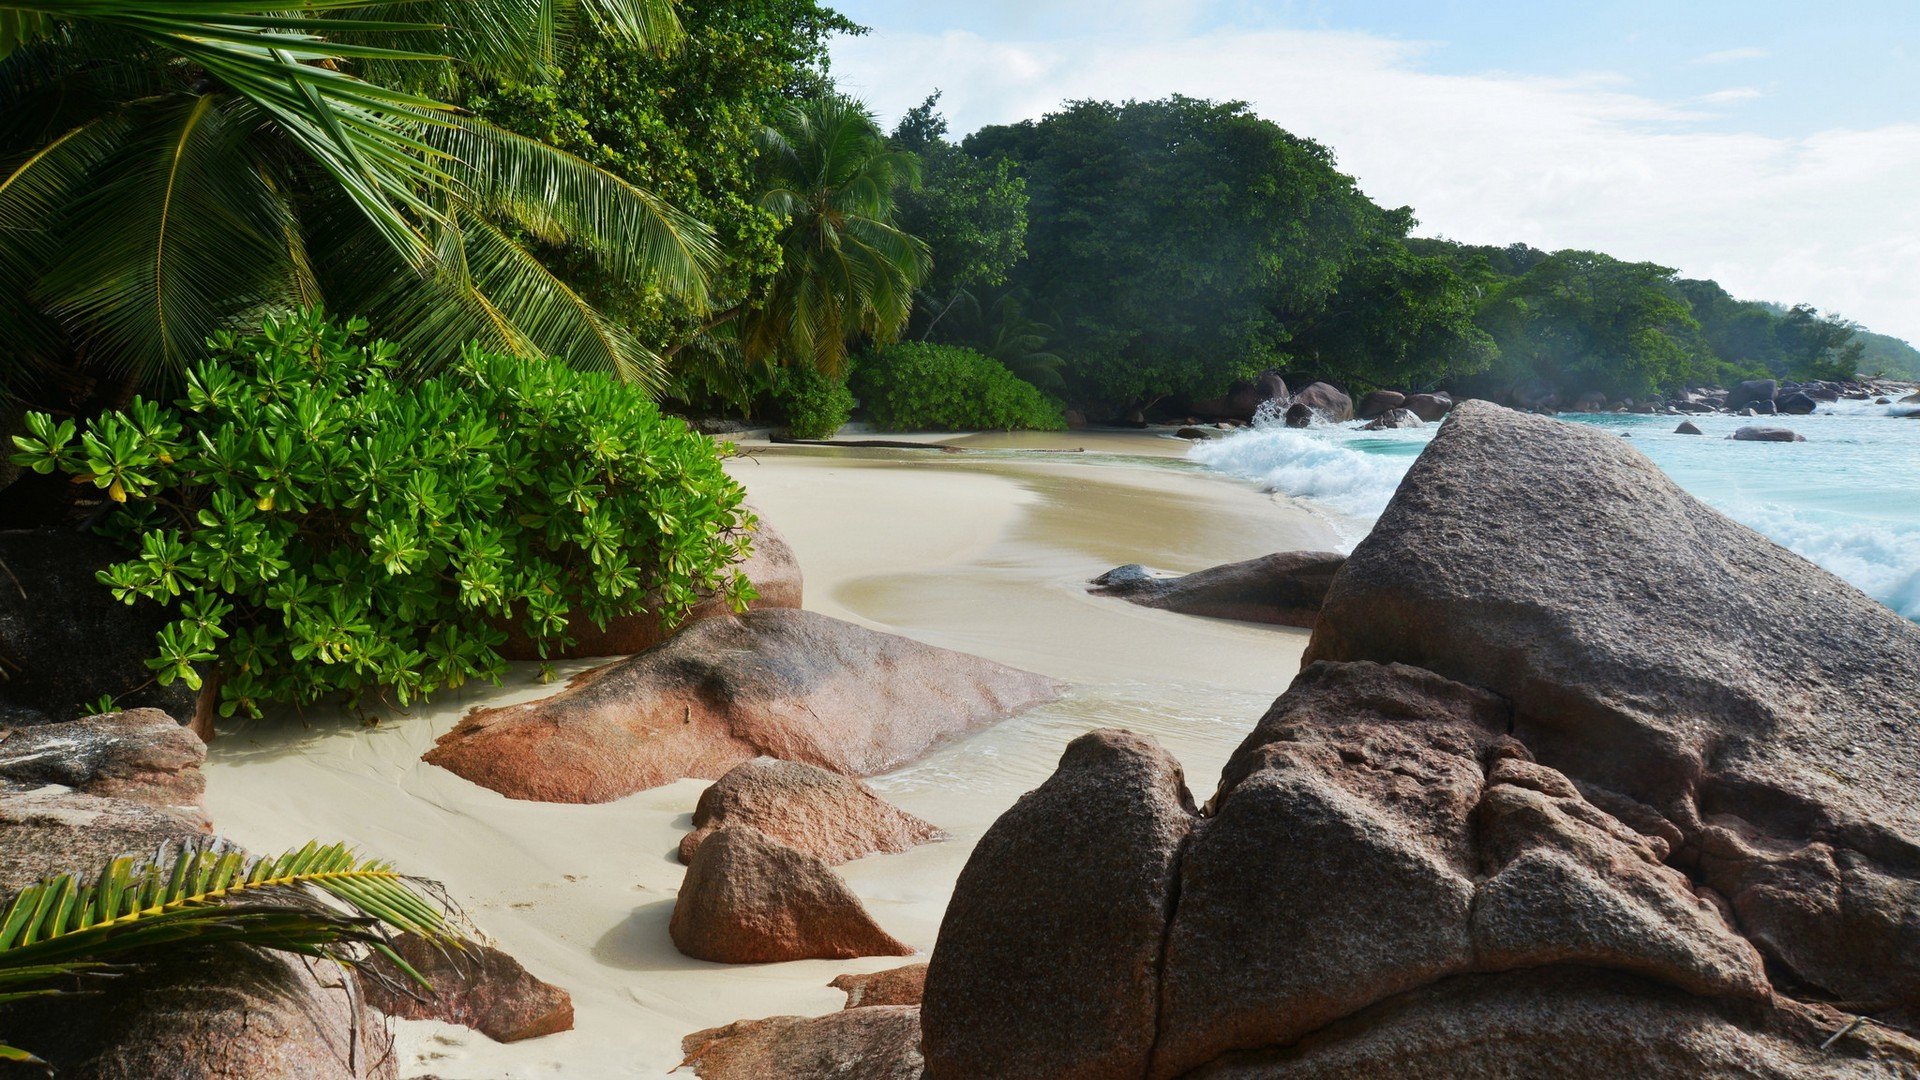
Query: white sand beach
[986, 552]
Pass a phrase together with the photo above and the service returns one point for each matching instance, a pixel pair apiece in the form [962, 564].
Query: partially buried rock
[142, 755]
[1285, 588]
[771, 568]
[1687, 427]
[832, 817]
[790, 684]
[1752, 433]
[880, 1043]
[1048, 966]
[1395, 418]
[748, 899]
[894, 986]
[475, 986]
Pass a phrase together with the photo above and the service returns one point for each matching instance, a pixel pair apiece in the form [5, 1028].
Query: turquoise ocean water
[1848, 498]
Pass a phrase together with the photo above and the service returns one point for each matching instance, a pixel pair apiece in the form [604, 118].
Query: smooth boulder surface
[771, 567]
[748, 899]
[1393, 419]
[1048, 963]
[832, 817]
[1432, 408]
[880, 1043]
[478, 986]
[1284, 588]
[1246, 398]
[1327, 400]
[1763, 727]
[1687, 427]
[1752, 433]
[894, 986]
[65, 642]
[141, 755]
[1378, 403]
[788, 684]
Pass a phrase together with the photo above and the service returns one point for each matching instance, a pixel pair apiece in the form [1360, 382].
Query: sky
[1772, 146]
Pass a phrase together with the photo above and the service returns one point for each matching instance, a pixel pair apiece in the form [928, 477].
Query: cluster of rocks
[1267, 398]
[760, 886]
[1514, 817]
[76, 793]
[1757, 397]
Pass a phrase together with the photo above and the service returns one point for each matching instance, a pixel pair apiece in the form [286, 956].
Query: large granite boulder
[1246, 398]
[1048, 963]
[1757, 433]
[141, 755]
[788, 684]
[1753, 394]
[65, 642]
[1429, 407]
[1328, 401]
[1378, 403]
[1284, 588]
[832, 817]
[879, 1043]
[748, 899]
[771, 568]
[476, 986]
[1763, 725]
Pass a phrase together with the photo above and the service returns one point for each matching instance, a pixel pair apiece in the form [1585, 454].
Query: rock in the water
[832, 817]
[1048, 965]
[1798, 403]
[771, 567]
[1192, 432]
[1299, 415]
[1759, 726]
[790, 684]
[1753, 394]
[65, 642]
[477, 986]
[1429, 407]
[141, 755]
[1395, 418]
[1327, 400]
[1752, 433]
[1687, 427]
[748, 899]
[894, 986]
[1285, 588]
[1378, 403]
[881, 1043]
[1591, 402]
[1246, 398]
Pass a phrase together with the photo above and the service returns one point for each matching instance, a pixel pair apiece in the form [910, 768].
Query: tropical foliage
[914, 386]
[326, 527]
[816, 403]
[170, 168]
[320, 900]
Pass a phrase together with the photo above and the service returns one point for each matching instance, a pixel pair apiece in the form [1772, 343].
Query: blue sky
[1772, 145]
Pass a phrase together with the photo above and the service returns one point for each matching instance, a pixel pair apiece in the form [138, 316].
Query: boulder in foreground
[832, 817]
[1285, 588]
[477, 986]
[747, 899]
[141, 755]
[788, 684]
[880, 1043]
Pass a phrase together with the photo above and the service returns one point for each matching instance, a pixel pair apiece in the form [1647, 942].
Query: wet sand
[984, 551]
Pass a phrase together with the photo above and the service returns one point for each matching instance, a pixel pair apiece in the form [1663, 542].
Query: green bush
[816, 403]
[916, 386]
[326, 527]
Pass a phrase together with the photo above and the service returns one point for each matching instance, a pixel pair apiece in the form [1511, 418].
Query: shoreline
[988, 553]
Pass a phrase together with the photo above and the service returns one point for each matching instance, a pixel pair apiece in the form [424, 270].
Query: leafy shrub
[816, 404]
[327, 527]
[916, 386]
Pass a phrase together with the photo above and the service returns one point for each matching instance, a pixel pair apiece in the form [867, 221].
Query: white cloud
[1556, 162]
[1732, 95]
[1732, 56]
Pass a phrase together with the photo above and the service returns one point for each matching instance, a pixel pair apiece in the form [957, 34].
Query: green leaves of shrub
[916, 386]
[816, 403]
[325, 527]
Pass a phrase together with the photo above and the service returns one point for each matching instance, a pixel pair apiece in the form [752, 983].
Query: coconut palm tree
[172, 167]
[828, 174]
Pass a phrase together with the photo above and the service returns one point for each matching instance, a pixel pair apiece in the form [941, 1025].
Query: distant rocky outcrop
[788, 684]
[1519, 815]
[1284, 588]
[1752, 394]
[748, 899]
[832, 817]
[477, 986]
[881, 1043]
[771, 568]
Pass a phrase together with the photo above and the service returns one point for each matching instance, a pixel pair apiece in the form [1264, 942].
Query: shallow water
[1848, 498]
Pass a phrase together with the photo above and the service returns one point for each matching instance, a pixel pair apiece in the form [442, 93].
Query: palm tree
[172, 167]
[1004, 331]
[320, 900]
[828, 175]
